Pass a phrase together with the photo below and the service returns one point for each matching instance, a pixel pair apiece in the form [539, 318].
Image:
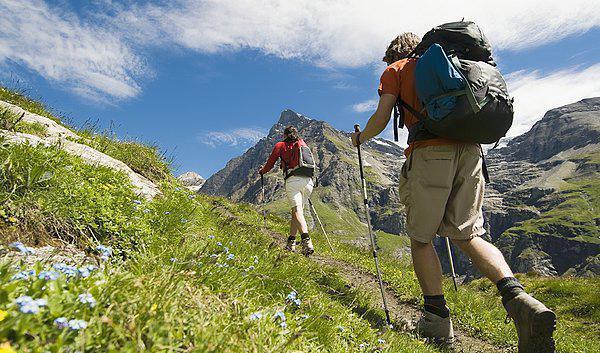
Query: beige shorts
[298, 190]
[442, 188]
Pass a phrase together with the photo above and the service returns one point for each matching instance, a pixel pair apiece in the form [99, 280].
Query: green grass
[22, 100]
[577, 210]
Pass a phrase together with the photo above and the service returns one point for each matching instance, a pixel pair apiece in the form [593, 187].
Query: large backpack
[461, 89]
[301, 154]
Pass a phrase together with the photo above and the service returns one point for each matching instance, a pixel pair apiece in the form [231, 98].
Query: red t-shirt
[398, 79]
[285, 151]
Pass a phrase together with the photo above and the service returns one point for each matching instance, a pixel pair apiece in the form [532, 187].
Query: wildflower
[191, 197]
[292, 295]
[48, 275]
[255, 259]
[173, 260]
[178, 189]
[67, 270]
[22, 248]
[146, 210]
[6, 348]
[77, 324]
[279, 315]
[211, 236]
[256, 316]
[104, 250]
[137, 202]
[214, 256]
[61, 322]
[283, 324]
[230, 257]
[184, 220]
[230, 243]
[304, 316]
[226, 249]
[297, 302]
[87, 298]
[22, 275]
[83, 272]
[28, 305]
[251, 268]
[219, 243]
[363, 345]
[167, 212]
[381, 341]
[341, 328]
[3, 315]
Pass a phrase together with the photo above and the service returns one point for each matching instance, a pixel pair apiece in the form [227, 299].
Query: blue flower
[137, 202]
[191, 197]
[230, 257]
[146, 210]
[251, 268]
[297, 302]
[104, 250]
[255, 259]
[381, 341]
[28, 305]
[22, 248]
[211, 236]
[219, 243]
[256, 316]
[167, 212]
[214, 256]
[83, 272]
[61, 322]
[173, 260]
[22, 275]
[304, 316]
[87, 298]
[48, 275]
[226, 249]
[362, 345]
[77, 324]
[67, 270]
[283, 324]
[292, 295]
[279, 315]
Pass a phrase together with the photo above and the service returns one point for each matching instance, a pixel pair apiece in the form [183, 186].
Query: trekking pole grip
[356, 128]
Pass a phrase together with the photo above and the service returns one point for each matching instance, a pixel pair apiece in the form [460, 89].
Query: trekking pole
[371, 234]
[320, 224]
[451, 263]
[264, 209]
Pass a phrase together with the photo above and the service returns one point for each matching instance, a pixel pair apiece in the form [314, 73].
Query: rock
[191, 180]
[62, 137]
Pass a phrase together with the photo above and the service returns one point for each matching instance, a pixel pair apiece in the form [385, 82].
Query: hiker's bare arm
[379, 120]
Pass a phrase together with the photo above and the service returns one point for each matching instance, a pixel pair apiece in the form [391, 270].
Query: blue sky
[205, 79]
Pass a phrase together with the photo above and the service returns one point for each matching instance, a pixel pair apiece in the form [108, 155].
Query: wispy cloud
[243, 137]
[365, 106]
[536, 93]
[104, 53]
[92, 60]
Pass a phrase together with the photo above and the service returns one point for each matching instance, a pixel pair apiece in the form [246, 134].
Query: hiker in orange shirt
[442, 188]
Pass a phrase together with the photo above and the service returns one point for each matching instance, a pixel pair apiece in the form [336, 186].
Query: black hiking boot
[535, 324]
[307, 245]
[291, 244]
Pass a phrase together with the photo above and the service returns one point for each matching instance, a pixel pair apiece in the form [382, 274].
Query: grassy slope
[175, 293]
[577, 209]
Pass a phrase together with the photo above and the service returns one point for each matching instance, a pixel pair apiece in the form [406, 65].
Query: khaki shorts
[298, 190]
[442, 188]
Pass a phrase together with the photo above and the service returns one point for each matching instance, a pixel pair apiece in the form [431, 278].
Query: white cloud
[348, 32]
[103, 53]
[536, 93]
[366, 106]
[89, 59]
[243, 137]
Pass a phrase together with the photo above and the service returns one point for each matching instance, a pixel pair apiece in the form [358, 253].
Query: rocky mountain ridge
[338, 176]
[541, 206]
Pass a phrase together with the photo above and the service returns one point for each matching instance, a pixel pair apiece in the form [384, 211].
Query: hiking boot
[535, 324]
[435, 328]
[291, 244]
[307, 246]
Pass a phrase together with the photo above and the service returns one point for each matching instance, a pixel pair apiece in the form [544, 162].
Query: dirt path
[404, 315]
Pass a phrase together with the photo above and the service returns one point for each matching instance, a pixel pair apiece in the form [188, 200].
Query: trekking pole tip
[356, 128]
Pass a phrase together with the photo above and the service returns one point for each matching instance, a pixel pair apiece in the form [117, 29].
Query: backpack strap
[417, 131]
[486, 175]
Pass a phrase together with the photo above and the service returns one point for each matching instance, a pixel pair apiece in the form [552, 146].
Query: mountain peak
[290, 117]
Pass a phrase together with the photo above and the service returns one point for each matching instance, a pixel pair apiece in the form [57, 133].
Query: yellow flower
[3, 315]
[6, 348]
[12, 219]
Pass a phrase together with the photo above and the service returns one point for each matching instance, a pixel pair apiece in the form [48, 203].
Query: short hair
[291, 133]
[401, 47]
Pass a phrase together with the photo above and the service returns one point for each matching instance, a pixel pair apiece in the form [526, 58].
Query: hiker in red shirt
[298, 183]
[442, 188]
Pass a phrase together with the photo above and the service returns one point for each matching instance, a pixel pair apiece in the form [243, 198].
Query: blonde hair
[401, 47]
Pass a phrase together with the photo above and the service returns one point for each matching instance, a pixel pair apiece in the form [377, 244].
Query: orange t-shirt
[399, 79]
